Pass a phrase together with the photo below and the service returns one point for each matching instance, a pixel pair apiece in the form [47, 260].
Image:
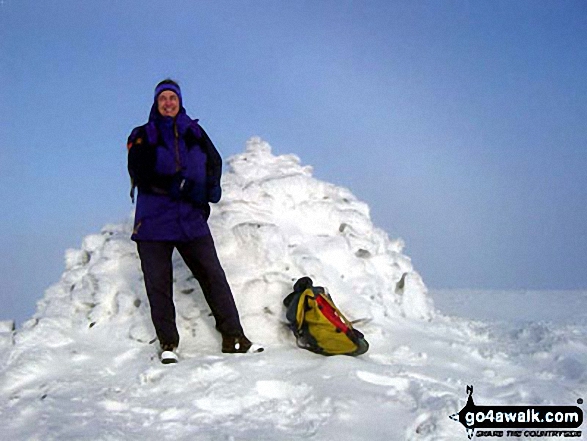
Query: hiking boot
[239, 345]
[168, 355]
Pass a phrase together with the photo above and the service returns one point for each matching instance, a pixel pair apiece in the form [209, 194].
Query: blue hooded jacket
[177, 171]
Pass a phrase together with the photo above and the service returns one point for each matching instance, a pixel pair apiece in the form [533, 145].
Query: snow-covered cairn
[274, 224]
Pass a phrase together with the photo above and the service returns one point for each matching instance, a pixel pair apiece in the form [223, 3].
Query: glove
[214, 194]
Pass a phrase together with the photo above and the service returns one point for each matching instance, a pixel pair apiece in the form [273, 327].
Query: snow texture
[85, 368]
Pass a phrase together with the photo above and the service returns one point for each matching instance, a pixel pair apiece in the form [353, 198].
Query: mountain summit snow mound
[275, 224]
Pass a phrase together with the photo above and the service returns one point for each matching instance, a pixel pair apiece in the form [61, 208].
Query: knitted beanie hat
[168, 85]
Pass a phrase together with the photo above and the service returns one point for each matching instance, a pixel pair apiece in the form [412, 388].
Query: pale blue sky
[461, 123]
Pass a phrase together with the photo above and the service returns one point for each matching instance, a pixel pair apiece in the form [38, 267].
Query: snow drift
[83, 367]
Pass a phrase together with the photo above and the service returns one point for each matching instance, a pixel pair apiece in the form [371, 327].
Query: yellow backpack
[318, 324]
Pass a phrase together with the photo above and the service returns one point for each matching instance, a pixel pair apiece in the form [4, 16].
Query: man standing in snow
[177, 170]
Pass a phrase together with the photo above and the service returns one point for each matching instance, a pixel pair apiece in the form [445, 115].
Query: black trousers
[201, 258]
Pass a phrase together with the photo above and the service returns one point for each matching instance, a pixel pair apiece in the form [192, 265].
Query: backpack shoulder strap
[145, 134]
[151, 133]
[140, 147]
[197, 135]
[327, 303]
[194, 129]
[136, 138]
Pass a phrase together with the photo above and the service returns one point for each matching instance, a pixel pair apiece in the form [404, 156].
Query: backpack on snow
[317, 323]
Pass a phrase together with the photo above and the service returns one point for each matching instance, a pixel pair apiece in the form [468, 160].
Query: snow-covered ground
[83, 367]
[516, 307]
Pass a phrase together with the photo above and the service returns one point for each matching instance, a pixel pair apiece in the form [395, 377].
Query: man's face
[168, 103]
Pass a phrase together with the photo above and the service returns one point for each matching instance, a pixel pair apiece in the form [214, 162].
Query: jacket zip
[177, 158]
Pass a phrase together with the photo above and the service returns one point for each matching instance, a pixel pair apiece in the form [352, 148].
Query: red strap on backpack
[330, 313]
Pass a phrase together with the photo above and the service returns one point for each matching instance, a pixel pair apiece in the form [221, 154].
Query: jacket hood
[182, 119]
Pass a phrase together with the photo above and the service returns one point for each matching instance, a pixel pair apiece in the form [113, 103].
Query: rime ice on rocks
[276, 223]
